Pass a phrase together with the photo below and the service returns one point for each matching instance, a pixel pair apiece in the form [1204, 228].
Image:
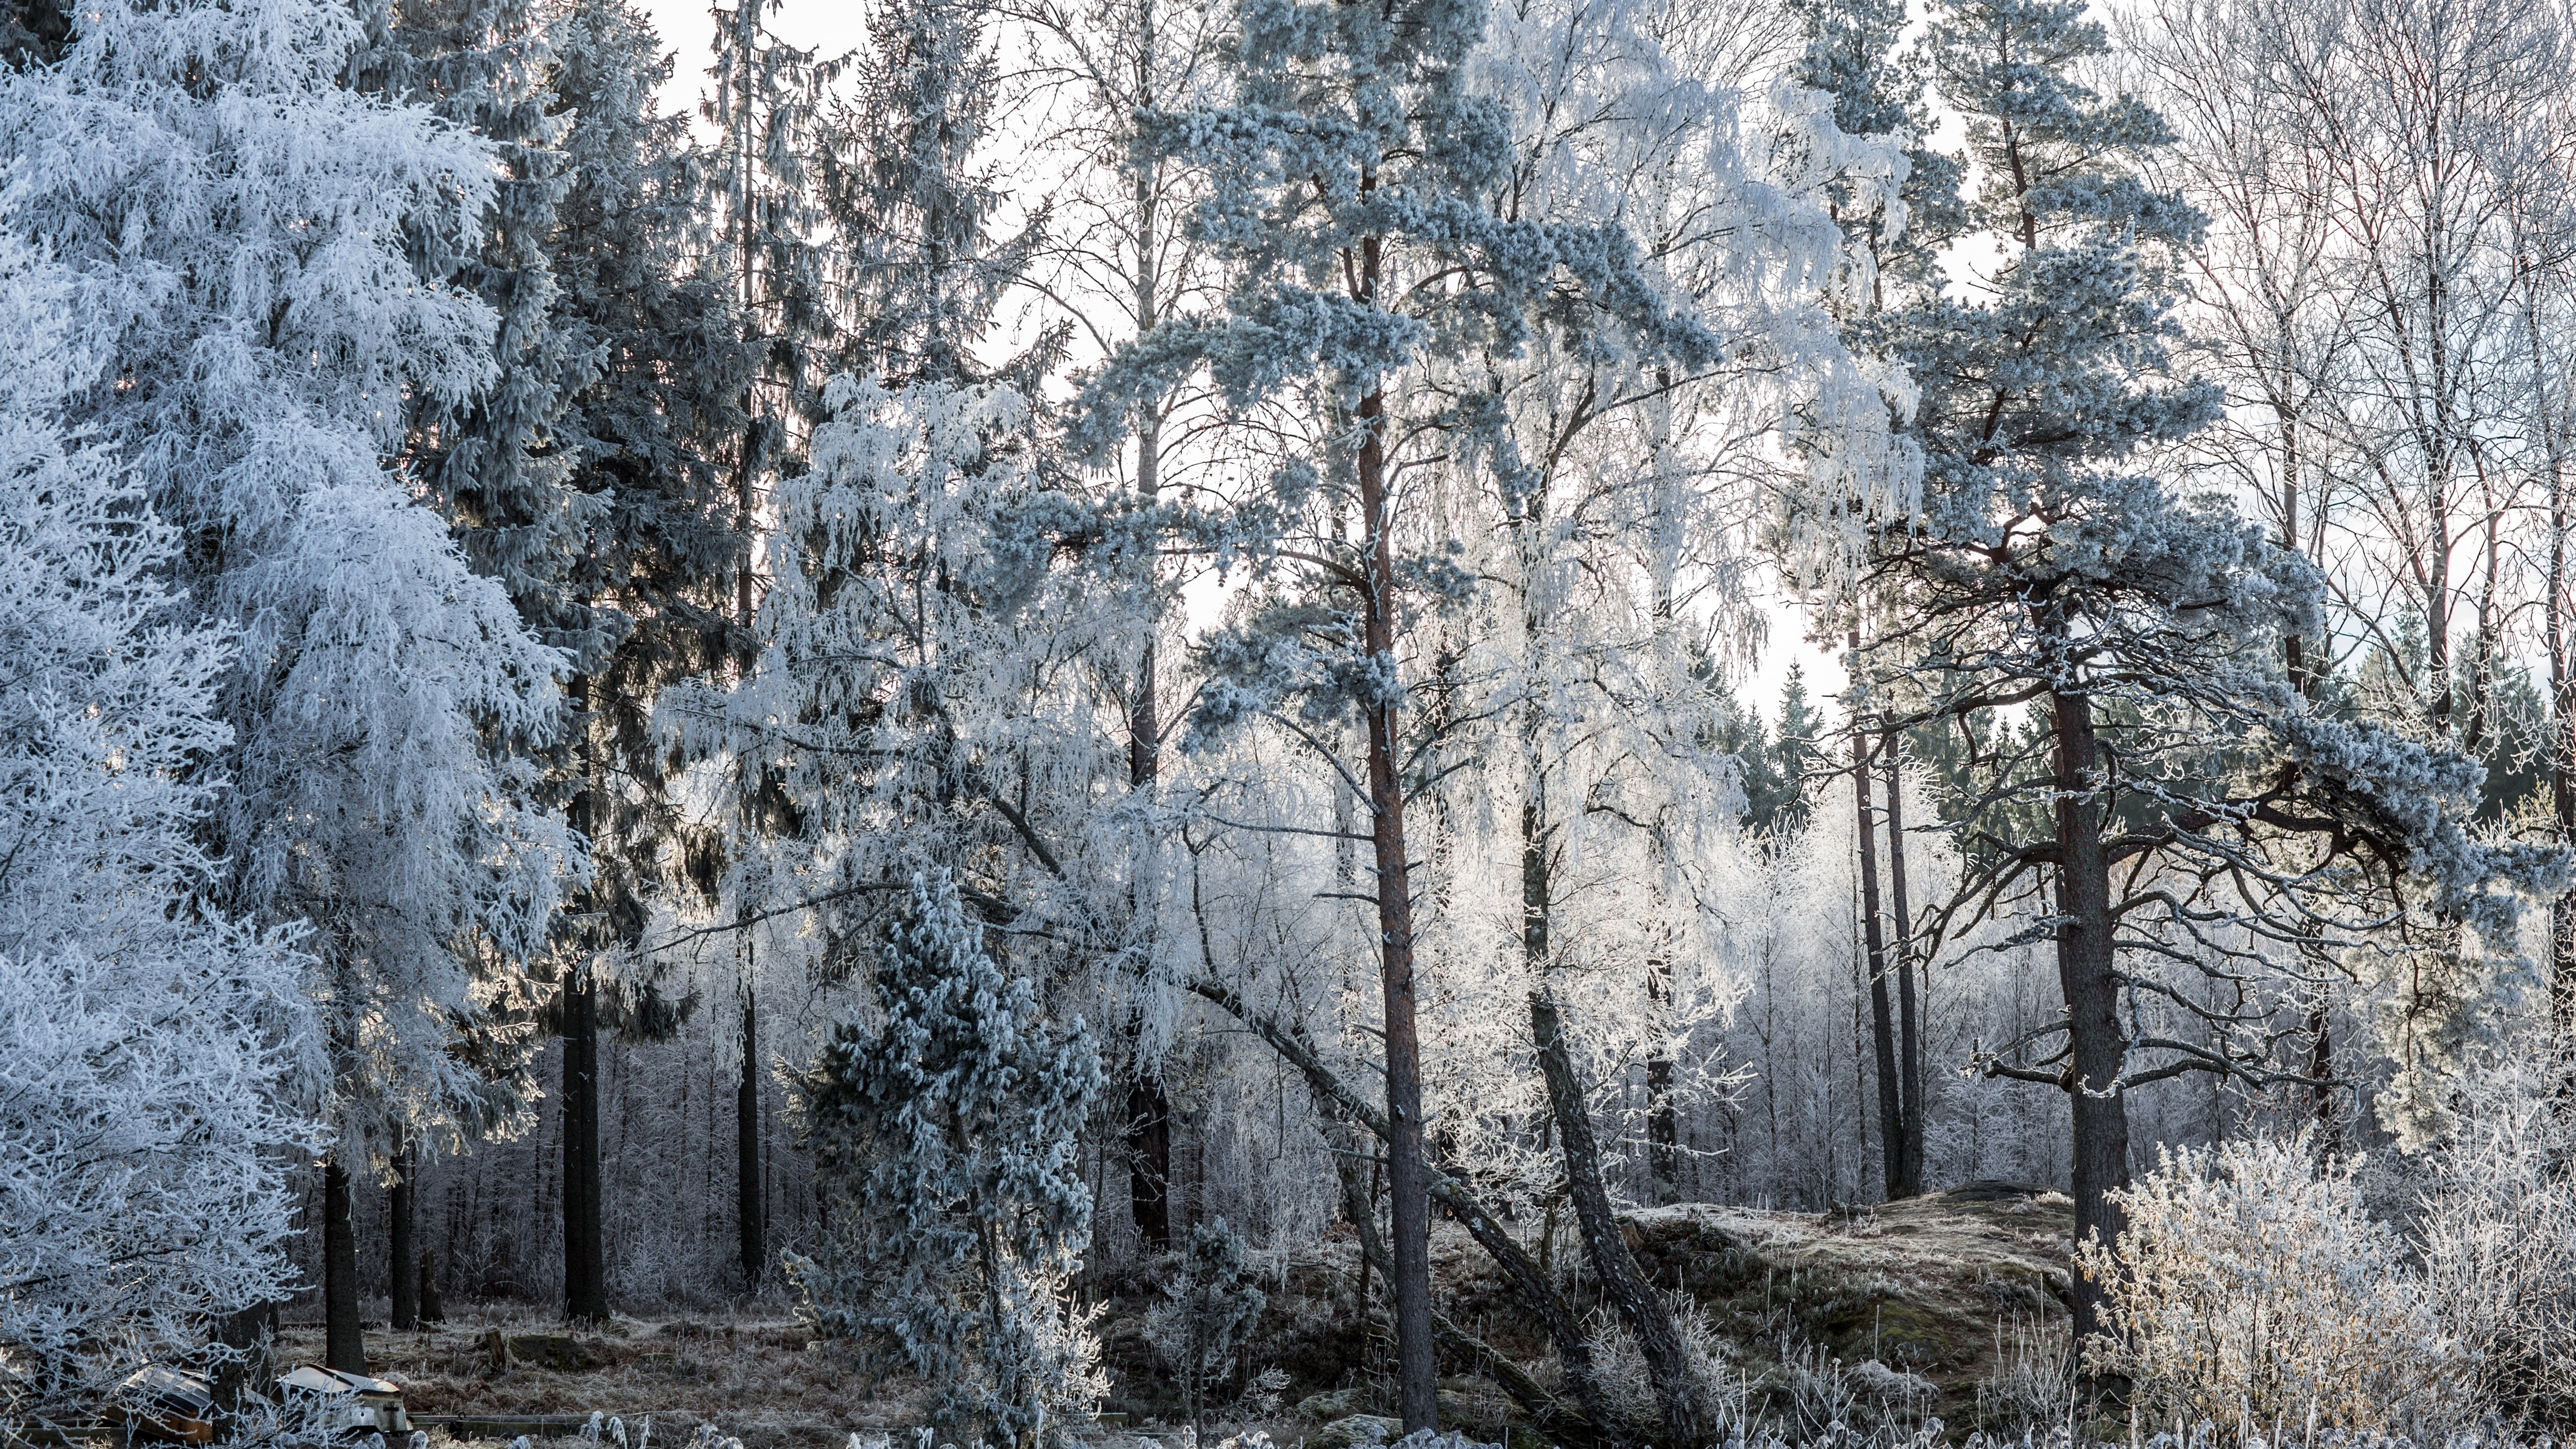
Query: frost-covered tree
[912, 200]
[159, 1063]
[649, 426]
[237, 222]
[1364, 201]
[946, 1134]
[2176, 803]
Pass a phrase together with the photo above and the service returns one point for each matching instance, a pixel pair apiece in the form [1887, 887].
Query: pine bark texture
[2088, 976]
[1410, 1208]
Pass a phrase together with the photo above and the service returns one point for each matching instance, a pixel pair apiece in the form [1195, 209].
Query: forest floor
[1963, 1289]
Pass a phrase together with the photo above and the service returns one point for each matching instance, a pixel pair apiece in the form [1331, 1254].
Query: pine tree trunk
[2562, 753]
[751, 1205]
[585, 1255]
[344, 1344]
[1667, 1361]
[1148, 1137]
[1909, 1021]
[2088, 975]
[404, 1276]
[1882, 1022]
[433, 1309]
[1408, 1201]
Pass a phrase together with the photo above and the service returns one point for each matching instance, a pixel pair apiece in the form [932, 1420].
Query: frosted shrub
[1206, 1313]
[1629, 1386]
[2251, 1286]
[944, 1143]
[2499, 1240]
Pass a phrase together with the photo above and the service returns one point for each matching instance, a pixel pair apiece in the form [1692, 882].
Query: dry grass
[1918, 1285]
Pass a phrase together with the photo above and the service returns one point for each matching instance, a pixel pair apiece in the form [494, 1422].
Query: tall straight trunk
[1407, 1199]
[1663, 1114]
[1667, 1358]
[2562, 685]
[751, 1204]
[585, 1255]
[2088, 976]
[1148, 1137]
[344, 1344]
[1909, 1020]
[1891, 1089]
[404, 1271]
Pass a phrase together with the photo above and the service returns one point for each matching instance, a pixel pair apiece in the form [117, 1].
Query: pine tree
[651, 417]
[1353, 161]
[2139, 622]
[947, 1138]
[912, 200]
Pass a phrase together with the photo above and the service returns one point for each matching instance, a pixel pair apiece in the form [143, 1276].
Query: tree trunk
[1677, 1393]
[2088, 975]
[1149, 1109]
[1410, 1207]
[585, 1255]
[250, 1332]
[344, 1344]
[751, 1204]
[1663, 1114]
[1149, 1161]
[1882, 1022]
[432, 1308]
[1909, 1021]
[404, 1276]
[1667, 1360]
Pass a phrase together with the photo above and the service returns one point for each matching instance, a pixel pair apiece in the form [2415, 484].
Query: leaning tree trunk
[405, 1283]
[585, 1255]
[1590, 1420]
[1667, 1358]
[2088, 975]
[344, 1343]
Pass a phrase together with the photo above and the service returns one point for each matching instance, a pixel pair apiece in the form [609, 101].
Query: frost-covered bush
[2499, 1239]
[2251, 1285]
[945, 1145]
[1205, 1314]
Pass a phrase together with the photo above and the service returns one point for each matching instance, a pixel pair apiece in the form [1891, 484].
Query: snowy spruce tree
[946, 1132]
[2179, 818]
[159, 1063]
[649, 427]
[241, 229]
